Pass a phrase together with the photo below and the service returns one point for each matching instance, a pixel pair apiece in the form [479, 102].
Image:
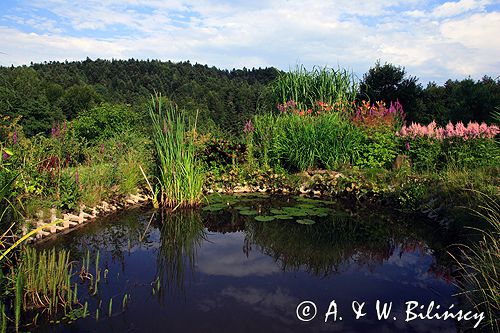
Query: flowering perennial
[378, 114]
[473, 130]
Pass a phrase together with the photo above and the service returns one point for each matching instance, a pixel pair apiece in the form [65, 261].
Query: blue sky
[434, 40]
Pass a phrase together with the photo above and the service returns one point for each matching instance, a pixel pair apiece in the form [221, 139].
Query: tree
[389, 83]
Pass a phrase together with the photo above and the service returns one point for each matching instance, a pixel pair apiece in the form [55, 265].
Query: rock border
[69, 221]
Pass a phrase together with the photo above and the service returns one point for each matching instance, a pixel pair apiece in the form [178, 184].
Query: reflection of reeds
[180, 178]
[181, 235]
[480, 265]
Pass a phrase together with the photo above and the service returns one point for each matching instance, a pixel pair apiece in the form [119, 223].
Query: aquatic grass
[480, 265]
[180, 176]
[46, 279]
[306, 142]
[321, 84]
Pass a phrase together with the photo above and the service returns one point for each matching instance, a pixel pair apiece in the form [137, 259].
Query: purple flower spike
[407, 146]
[76, 177]
[102, 148]
[249, 128]
[14, 137]
[5, 155]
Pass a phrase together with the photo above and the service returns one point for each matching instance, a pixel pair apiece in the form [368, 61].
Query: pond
[220, 269]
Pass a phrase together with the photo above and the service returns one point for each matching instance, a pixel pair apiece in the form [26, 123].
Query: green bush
[103, 122]
[471, 153]
[378, 150]
[425, 153]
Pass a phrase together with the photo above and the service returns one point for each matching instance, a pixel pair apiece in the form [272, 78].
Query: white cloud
[452, 40]
[455, 8]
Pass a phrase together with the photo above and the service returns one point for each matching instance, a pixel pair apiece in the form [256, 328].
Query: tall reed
[480, 265]
[321, 84]
[180, 178]
[46, 279]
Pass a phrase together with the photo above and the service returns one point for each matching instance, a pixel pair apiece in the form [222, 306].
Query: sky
[433, 40]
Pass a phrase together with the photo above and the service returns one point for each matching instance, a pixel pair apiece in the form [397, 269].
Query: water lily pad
[306, 205]
[278, 211]
[264, 218]
[239, 207]
[248, 212]
[283, 217]
[215, 207]
[306, 221]
[296, 211]
[303, 199]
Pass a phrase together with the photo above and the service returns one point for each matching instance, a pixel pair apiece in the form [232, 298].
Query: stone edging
[71, 220]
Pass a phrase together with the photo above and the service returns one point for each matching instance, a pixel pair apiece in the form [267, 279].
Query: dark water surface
[219, 271]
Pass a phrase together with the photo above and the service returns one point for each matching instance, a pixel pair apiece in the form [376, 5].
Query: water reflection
[181, 236]
[195, 271]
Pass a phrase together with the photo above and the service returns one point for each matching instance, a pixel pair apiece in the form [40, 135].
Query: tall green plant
[180, 177]
[306, 87]
[480, 264]
[306, 142]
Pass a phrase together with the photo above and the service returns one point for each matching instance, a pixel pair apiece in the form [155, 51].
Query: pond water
[221, 270]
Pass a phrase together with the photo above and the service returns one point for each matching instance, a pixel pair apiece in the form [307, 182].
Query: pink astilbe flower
[459, 130]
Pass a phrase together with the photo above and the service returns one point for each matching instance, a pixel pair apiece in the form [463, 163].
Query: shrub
[103, 122]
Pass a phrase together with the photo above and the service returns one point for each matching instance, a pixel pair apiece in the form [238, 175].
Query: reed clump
[321, 84]
[46, 280]
[179, 174]
[480, 265]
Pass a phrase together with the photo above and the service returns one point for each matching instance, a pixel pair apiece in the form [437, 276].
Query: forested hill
[44, 94]
[54, 91]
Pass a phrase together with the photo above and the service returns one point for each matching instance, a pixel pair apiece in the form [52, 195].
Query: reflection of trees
[181, 235]
[116, 235]
[323, 248]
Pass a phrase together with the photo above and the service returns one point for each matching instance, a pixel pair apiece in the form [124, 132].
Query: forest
[51, 92]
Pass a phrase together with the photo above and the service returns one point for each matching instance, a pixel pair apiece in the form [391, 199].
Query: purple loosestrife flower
[102, 148]
[249, 128]
[76, 177]
[5, 155]
[14, 137]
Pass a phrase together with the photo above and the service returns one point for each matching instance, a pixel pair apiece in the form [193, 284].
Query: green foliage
[22, 94]
[69, 194]
[103, 122]
[180, 176]
[480, 264]
[425, 153]
[378, 150]
[300, 143]
[471, 154]
[220, 152]
[306, 87]
[77, 99]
